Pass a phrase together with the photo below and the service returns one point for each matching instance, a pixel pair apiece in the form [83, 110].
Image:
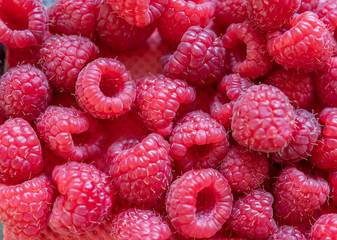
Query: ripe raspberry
[308, 5]
[105, 89]
[63, 57]
[143, 172]
[333, 185]
[327, 12]
[199, 203]
[158, 99]
[306, 46]
[198, 141]
[263, 119]
[234, 86]
[69, 133]
[222, 109]
[179, 15]
[244, 169]
[247, 52]
[287, 232]
[24, 208]
[23, 23]
[229, 11]
[324, 228]
[85, 201]
[137, 224]
[199, 58]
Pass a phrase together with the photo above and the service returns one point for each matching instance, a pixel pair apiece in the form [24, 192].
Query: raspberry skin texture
[63, 57]
[23, 23]
[198, 141]
[306, 46]
[85, 200]
[324, 228]
[199, 59]
[143, 172]
[24, 92]
[327, 12]
[138, 224]
[229, 11]
[289, 233]
[263, 119]
[234, 86]
[333, 185]
[21, 56]
[308, 5]
[247, 54]
[199, 203]
[221, 109]
[25, 207]
[179, 15]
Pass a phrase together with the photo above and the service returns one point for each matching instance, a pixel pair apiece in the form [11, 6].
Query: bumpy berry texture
[234, 86]
[221, 109]
[105, 89]
[324, 228]
[20, 56]
[23, 23]
[137, 224]
[247, 54]
[306, 46]
[25, 207]
[263, 119]
[308, 5]
[143, 172]
[333, 185]
[63, 57]
[159, 98]
[85, 200]
[287, 232]
[327, 12]
[199, 203]
[198, 141]
[229, 11]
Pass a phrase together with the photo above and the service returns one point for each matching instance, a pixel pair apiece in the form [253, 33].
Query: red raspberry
[179, 15]
[198, 141]
[324, 228]
[199, 58]
[327, 12]
[23, 23]
[85, 201]
[244, 169]
[222, 109]
[287, 232]
[247, 52]
[199, 203]
[69, 133]
[306, 46]
[252, 215]
[63, 57]
[263, 119]
[137, 224]
[120, 145]
[73, 17]
[234, 86]
[308, 5]
[229, 11]
[333, 185]
[24, 208]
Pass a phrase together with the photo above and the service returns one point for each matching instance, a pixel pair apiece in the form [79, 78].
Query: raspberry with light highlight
[324, 228]
[289, 233]
[234, 86]
[222, 109]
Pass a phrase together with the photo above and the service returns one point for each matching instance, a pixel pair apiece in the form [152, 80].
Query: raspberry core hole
[108, 85]
[81, 139]
[240, 52]
[205, 203]
[13, 15]
[200, 151]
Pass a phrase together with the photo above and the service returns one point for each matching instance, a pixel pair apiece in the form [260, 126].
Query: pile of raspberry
[169, 119]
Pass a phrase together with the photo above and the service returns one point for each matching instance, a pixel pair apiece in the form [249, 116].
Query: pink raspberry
[229, 11]
[85, 200]
[247, 52]
[158, 99]
[327, 12]
[308, 5]
[306, 46]
[199, 203]
[324, 227]
[234, 86]
[198, 141]
[263, 119]
[287, 232]
[222, 109]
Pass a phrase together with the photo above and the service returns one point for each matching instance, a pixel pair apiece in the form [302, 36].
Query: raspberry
[158, 99]
[24, 208]
[234, 86]
[73, 17]
[199, 203]
[85, 201]
[308, 5]
[137, 224]
[333, 185]
[50, 160]
[198, 141]
[327, 12]
[252, 215]
[244, 169]
[20, 56]
[69, 133]
[247, 52]
[306, 46]
[222, 110]
[287, 232]
[199, 58]
[324, 227]
[306, 133]
[229, 11]
[179, 15]
[63, 57]
[263, 119]
[23, 23]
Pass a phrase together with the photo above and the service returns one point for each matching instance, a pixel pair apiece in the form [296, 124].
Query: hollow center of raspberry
[200, 151]
[108, 86]
[81, 139]
[13, 15]
[240, 52]
[205, 203]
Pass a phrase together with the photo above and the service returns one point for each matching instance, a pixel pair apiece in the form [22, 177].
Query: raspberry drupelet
[229, 11]
[308, 5]
[287, 232]
[327, 12]
[234, 86]
[221, 109]
[333, 185]
[324, 228]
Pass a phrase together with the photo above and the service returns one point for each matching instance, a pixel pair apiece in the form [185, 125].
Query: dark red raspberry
[20, 56]
[324, 228]
[263, 119]
[306, 46]
[85, 201]
[199, 203]
[69, 133]
[2, 117]
[333, 185]
[105, 89]
[137, 224]
[198, 141]
[327, 12]
[308, 5]
[287, 232]
[73, 17]
[23, 23]
[25, 207]
[234, 86]
[247, 52]
[50, 160]
[63, 57]
[222, 109]
[229, 11]
[199, 59]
